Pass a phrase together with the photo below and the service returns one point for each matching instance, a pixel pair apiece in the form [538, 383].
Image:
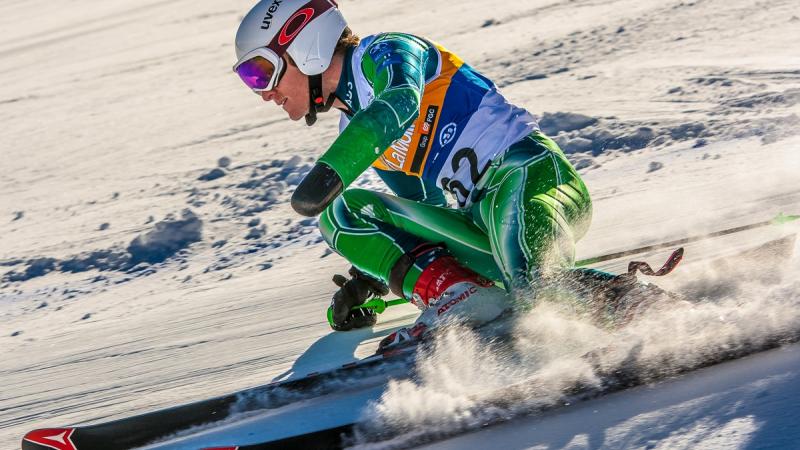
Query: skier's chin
[295, 115]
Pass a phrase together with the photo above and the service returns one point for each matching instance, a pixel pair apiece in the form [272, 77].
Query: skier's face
[291, 92]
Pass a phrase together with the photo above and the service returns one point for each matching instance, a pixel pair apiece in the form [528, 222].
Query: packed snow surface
[148, 254]
[750, 403]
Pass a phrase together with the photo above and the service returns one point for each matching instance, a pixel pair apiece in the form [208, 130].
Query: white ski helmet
[307, 30]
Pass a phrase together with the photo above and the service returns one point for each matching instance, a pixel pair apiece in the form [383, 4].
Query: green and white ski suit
[429, 123]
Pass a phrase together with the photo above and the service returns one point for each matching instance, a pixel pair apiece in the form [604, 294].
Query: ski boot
[448, 292]
[342, 314]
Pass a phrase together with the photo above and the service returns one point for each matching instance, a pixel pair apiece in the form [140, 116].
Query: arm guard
[317, 190]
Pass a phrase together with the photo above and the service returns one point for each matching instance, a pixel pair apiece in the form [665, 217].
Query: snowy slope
[748, 403]
[117, 117]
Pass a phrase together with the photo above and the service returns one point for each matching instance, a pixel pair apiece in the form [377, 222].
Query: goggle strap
[280, 72]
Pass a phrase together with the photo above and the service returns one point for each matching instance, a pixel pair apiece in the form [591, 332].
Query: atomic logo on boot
[472, 289]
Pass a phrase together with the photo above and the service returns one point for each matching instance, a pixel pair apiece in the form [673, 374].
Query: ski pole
[379, 305]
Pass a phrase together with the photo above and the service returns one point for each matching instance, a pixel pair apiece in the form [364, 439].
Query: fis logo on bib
[448, 134]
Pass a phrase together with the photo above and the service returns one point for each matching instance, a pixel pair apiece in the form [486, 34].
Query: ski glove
[353, 292]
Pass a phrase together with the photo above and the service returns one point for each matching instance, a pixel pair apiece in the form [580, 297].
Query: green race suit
[429, 124]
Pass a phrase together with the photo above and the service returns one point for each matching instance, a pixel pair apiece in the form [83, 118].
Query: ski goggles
[260, 69]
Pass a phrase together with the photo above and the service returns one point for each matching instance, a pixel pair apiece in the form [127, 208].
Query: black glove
[353, 292]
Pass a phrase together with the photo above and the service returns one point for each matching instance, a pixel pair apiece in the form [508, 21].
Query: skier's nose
[268, 96]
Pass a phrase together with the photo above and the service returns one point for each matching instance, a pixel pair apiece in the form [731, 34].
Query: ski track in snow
[148, 254]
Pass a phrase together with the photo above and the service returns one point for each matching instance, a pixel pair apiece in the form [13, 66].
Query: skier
[428, 123]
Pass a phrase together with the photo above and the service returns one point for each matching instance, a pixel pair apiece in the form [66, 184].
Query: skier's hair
[346, 40]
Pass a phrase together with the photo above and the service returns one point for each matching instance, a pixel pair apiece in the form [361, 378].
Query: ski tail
[49, 439]
[136, 431]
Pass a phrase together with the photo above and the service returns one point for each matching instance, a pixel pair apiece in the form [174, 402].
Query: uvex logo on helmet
[267, 21]
[294, 25]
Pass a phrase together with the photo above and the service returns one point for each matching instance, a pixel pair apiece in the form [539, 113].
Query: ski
[619, 379]
[342, 436]
[143, 429]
